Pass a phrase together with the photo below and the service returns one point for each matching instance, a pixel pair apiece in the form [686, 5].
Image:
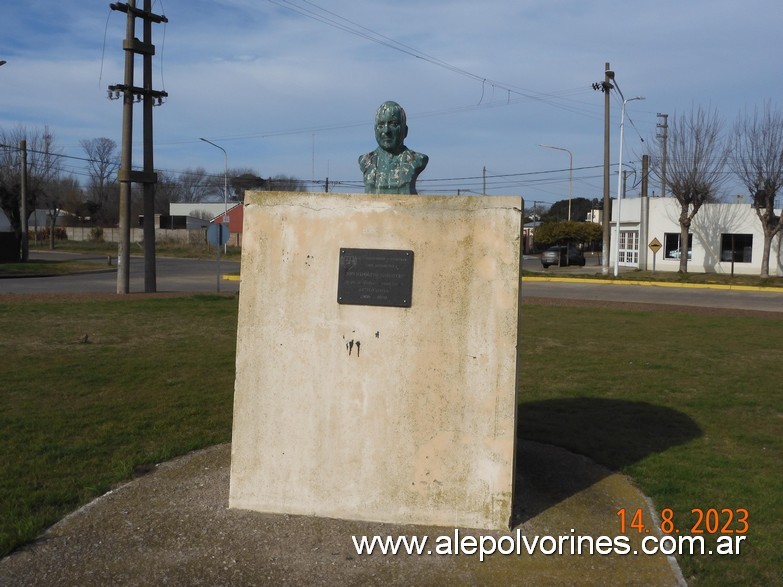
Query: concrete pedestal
[375, 412]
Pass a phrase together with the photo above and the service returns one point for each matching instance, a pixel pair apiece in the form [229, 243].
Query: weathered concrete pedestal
[401, 413]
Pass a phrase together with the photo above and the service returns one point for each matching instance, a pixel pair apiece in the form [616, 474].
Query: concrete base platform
[173, 527]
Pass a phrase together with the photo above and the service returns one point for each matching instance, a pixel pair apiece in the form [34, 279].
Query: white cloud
[287, 94]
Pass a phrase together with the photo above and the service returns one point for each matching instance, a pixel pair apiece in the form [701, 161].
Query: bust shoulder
[419, 159]
[367, 160]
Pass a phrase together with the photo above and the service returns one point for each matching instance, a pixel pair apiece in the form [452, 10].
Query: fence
[191, 236]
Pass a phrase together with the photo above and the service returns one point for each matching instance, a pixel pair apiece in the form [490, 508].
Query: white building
[718, 234]
[201, 209]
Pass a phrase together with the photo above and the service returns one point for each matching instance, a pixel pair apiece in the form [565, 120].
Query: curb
[656, 284]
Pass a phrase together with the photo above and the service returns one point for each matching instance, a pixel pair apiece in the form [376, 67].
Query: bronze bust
[392, 168]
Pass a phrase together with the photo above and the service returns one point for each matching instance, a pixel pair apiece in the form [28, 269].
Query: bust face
[390, 129]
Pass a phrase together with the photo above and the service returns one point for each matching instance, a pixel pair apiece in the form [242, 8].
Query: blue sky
[484, 84]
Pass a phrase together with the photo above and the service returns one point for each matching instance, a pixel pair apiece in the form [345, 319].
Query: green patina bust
[392, 168]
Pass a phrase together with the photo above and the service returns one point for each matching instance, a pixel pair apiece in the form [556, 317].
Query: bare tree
[242, 180]
[58, 195]
[287, 183]
[103, 161]
[695, 164]
[167, 190]
[757, 159]
[43, 165]
[195, 184]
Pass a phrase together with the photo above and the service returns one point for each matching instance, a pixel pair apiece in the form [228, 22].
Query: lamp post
[620, 183]
[225, 179]
[570, 173]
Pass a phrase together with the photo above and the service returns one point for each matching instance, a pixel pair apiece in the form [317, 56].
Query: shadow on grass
[611, 433]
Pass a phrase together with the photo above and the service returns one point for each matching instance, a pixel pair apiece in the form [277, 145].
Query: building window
[628, 253]
[671, 245]
[736, 247]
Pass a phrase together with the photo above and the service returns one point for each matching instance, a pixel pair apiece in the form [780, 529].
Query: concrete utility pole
[23, 212]
[126, 175]
[605, 87]
[644, 214]
[150, 275]
[663, 135]
[126, 156]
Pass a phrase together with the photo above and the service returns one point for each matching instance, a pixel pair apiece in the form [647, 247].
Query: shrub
[43, 234]
[96, 234]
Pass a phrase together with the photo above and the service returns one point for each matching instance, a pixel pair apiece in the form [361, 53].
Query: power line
[495, 181]
[334, 20]
[344, 125]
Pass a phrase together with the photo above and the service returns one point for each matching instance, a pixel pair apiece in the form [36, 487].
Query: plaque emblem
[375, 277]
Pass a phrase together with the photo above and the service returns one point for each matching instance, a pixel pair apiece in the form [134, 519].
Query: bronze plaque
[375, 277]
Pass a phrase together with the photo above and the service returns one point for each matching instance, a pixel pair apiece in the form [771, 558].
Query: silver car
[562, 256]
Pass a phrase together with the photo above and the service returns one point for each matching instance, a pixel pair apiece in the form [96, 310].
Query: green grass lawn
[41, 267]
[162, 249]
[689, 405]
[153, 380]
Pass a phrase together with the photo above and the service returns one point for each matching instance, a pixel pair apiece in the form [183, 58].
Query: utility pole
[663, 135]
[150, 275]
[126, 174]
[605, 87]
[644, 214]
[126, 156]
[23, 213]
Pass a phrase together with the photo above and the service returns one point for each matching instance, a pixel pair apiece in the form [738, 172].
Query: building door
[628, 255]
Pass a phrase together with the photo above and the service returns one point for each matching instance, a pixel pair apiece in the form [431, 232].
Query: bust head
[392, 168]
[391, 127]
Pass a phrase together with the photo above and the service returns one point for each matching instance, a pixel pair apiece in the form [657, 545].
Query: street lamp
[619, 184]
[570, 173]
[225, 179]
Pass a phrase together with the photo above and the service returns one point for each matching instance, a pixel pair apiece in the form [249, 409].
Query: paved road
[189, 275]
[173, 275]
[769, 301]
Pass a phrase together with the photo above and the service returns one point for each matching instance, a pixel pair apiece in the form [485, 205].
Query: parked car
[675, 254]
[562, 255]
